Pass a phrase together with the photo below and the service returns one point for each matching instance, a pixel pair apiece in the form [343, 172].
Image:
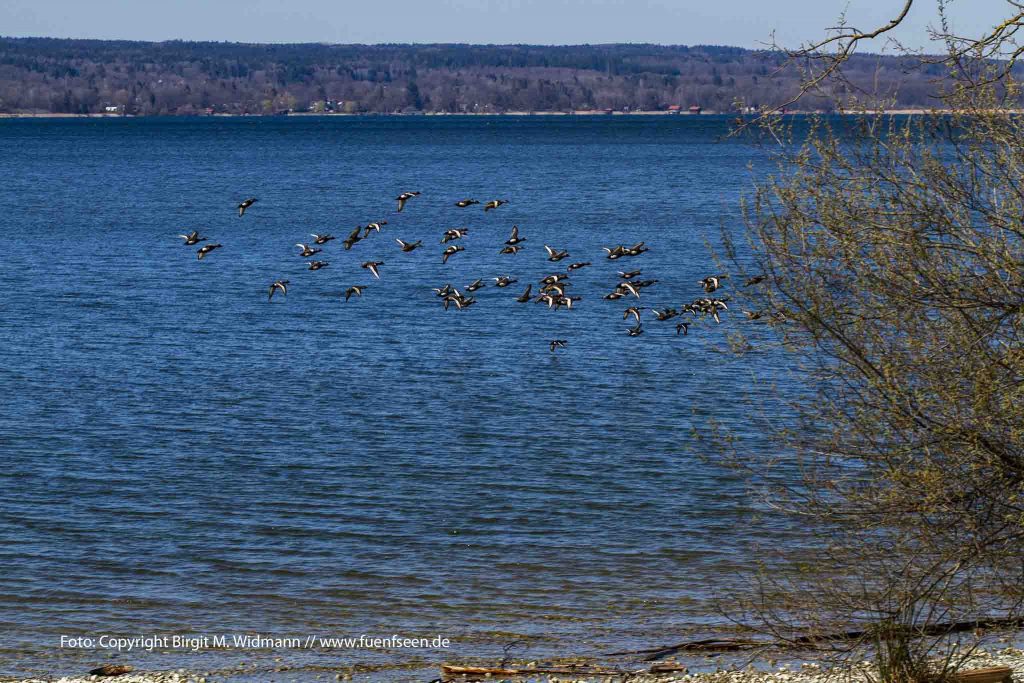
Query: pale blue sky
[746, 23]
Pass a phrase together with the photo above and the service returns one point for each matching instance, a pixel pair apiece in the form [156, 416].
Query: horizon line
[766, 49]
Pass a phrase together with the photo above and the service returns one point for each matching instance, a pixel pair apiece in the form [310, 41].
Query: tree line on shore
[65, 76]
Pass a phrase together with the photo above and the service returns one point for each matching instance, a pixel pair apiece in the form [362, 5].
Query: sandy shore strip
[806, 672]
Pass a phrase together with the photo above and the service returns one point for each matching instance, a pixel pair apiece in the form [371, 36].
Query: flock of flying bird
[553, 290]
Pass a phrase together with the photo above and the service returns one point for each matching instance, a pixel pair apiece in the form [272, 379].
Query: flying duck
[577, 266]
[557, 344]
[667, 314]
[512, 249]
[245, 205]
[494, 204]
[630, 288]
[556, 254]
[454, 234]
[278, 285]
[633, 311]
[206, 249]
[317, 265]
[409, 246]
[504, 281]
[459, 300]
[515, 238]
[548, 299]
[372, 267]
[307, 250]
[454, 249]
[192, 238]
[321, 239]
[566, 301]
[525, 296]
[711, 283]
[463, 203]
[756, 280]
[373, 227]
[636, 249]
[630, 275]
[636, 330]
[753, 315]
[404, 197]
[354, 289]
[615, 252]
[475, 285]
[707, 307]
[552, 279]
[353, 237]
[684, 327]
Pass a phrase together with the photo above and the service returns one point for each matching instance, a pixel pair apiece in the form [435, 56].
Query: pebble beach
[804, 672]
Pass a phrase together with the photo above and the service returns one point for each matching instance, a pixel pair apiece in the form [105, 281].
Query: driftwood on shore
[706, 645]
[451, 670]
[992, 674]
[810, 640]
[112, 670]
[475, 672]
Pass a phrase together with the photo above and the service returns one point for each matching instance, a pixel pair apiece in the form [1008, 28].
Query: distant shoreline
[594, 114]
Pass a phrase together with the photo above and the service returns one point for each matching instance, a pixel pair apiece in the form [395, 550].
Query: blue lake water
[181, 456]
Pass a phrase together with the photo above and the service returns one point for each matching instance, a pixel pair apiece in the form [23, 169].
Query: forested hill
[91, 76]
